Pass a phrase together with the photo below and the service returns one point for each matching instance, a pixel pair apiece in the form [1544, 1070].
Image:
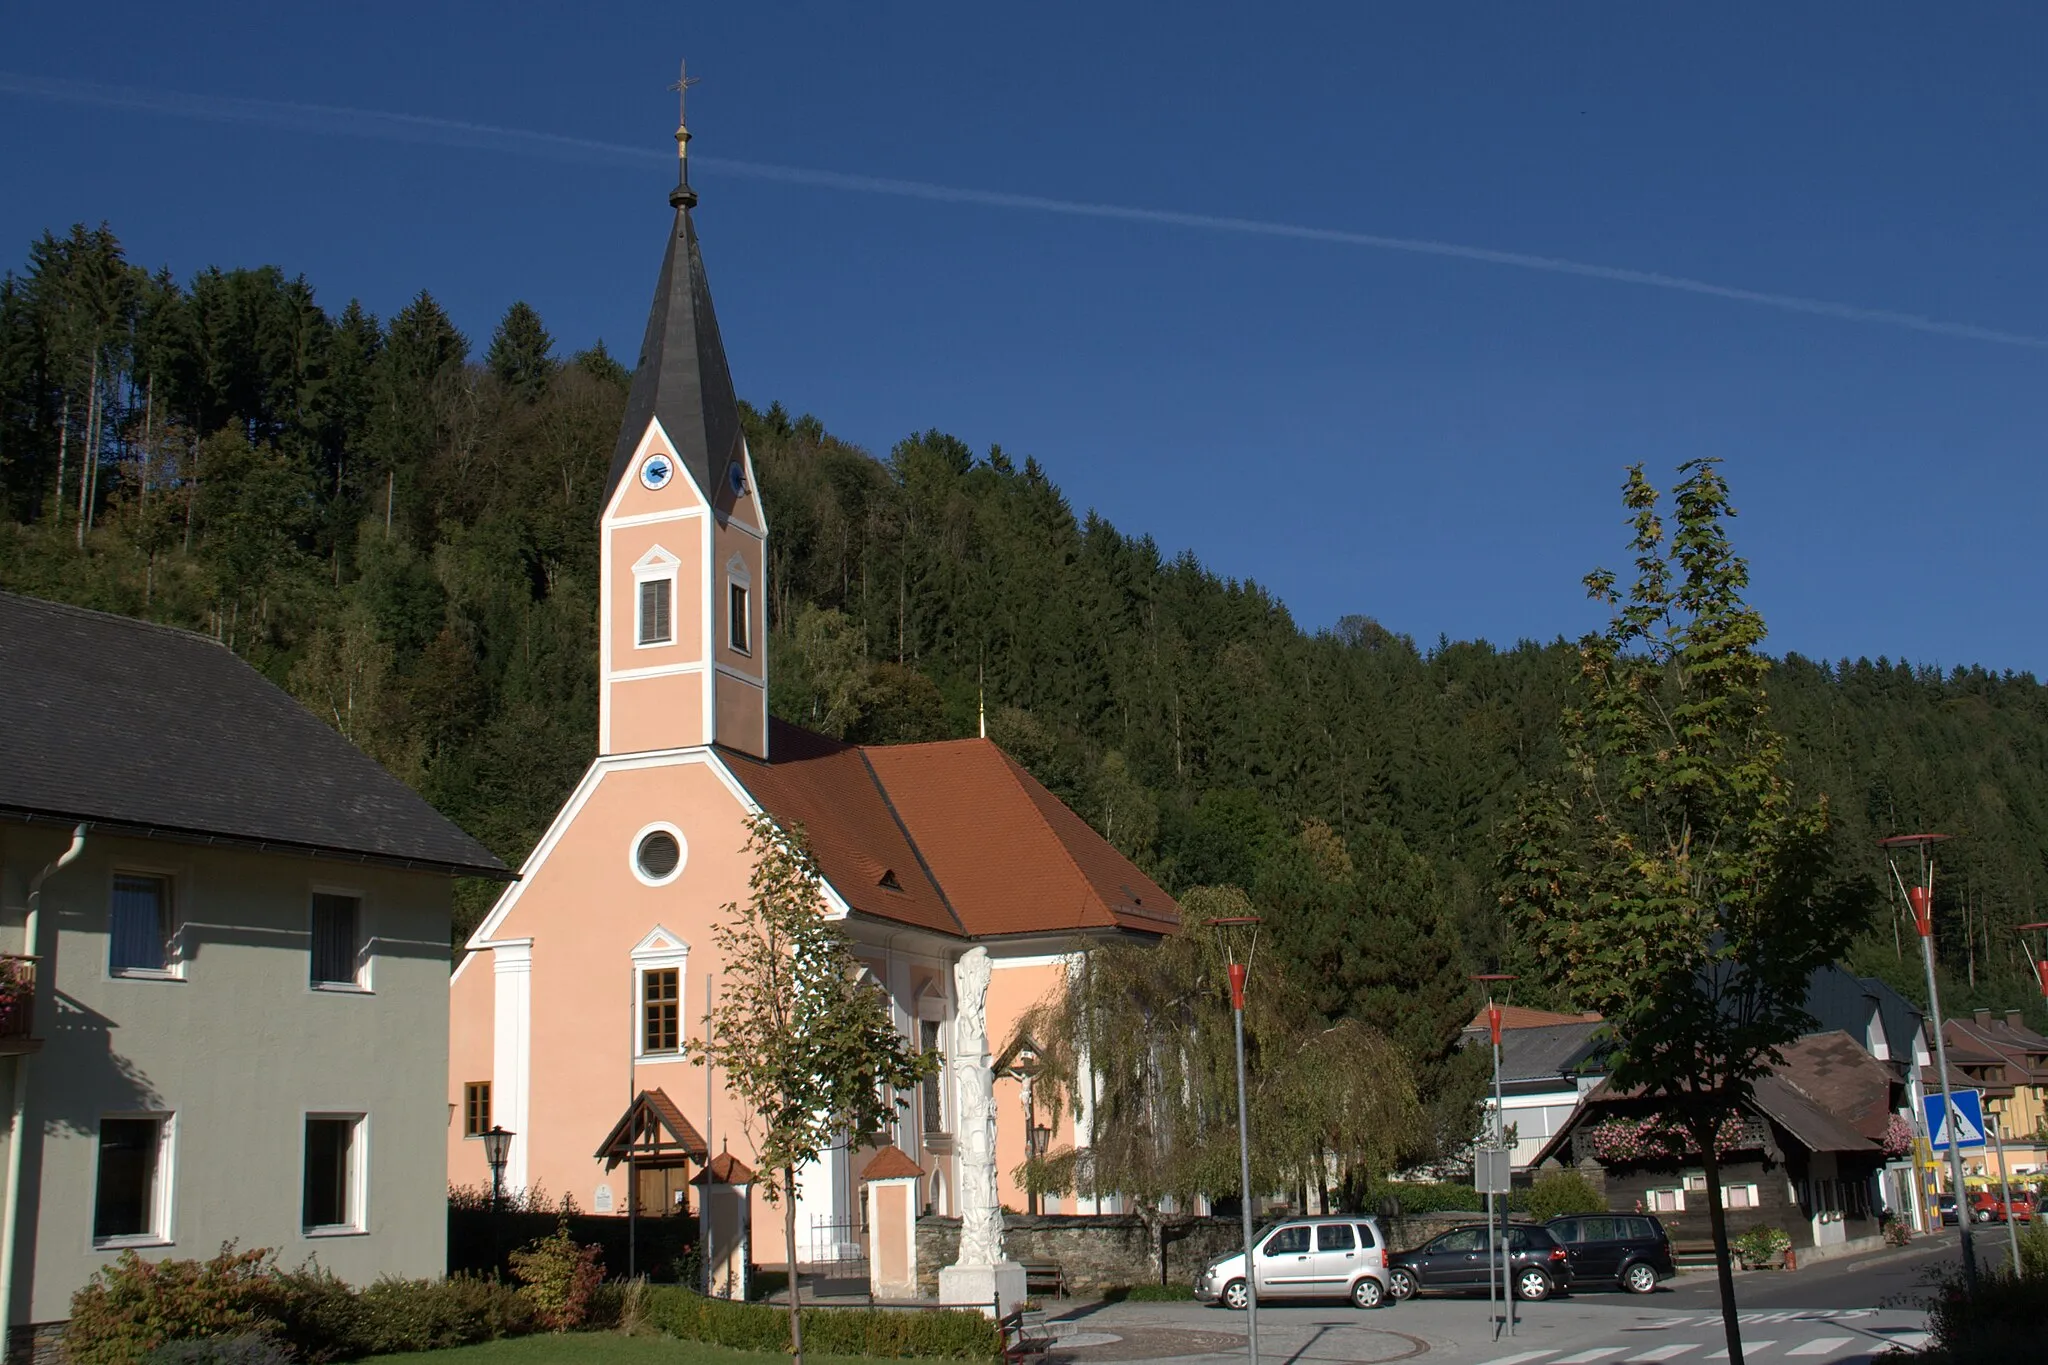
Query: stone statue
[981, 1213]
[982, 1277]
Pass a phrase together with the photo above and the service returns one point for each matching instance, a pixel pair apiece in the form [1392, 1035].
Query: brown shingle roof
[651, 1126]
[1842, 1078]
[891, 1164]
[951, 836]
[725, 1169]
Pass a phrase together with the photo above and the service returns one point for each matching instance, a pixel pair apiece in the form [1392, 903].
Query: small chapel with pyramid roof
[579, 990]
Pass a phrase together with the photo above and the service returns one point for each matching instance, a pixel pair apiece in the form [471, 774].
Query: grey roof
[159, 731]
[1839, 1000]
[1548, 1053]
[682, 377]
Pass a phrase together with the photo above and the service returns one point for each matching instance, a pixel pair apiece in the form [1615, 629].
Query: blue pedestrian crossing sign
[1968, 1120]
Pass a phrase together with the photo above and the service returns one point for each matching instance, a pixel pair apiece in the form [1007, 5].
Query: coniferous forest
[398, 524]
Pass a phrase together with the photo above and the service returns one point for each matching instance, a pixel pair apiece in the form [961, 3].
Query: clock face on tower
[657, 471]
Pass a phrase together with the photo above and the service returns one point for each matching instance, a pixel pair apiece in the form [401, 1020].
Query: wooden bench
[1692, 1253]
[1044, 1277]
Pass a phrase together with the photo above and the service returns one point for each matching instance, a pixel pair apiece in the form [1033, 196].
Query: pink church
[581, 987]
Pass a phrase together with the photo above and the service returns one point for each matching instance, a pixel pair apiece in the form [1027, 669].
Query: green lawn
[605, 1348]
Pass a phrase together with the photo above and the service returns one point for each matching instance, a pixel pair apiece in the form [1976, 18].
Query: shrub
[558, 1277]
[246, 1348]
[433, 1315]
[129, 1308]
[1761, 1244]
[1998, 1324]
[1560, 1193]
[313, 1312]
[2034, 1249]
[944, 1333]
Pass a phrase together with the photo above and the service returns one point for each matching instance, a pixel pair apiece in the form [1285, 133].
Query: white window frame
[653, 567]
[358, 1174]
[633, 853]
[162, 1206]
[174, 879]
[364, 983]
[1677, 1196]
[1748, 1191]
[738, 576]
[661, 950]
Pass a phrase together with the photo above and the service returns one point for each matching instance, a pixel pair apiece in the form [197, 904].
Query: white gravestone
[981, 1278]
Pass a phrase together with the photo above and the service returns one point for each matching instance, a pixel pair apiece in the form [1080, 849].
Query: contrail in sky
[417, 128]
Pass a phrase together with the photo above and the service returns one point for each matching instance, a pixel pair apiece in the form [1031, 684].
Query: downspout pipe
[10, 1227]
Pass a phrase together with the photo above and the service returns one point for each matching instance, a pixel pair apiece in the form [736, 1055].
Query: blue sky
[1433, 440]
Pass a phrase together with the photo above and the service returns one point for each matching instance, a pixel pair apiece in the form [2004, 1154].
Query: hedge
[947, 1333]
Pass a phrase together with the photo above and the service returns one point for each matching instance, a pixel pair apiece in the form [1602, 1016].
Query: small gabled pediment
[660, 943]
[656, 558]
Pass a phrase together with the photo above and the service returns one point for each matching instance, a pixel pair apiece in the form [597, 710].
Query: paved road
[1831, 1313]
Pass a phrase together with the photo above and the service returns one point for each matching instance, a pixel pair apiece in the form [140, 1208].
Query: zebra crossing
[1800, 1337]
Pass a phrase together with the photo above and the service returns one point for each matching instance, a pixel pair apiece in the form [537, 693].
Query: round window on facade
[658, 855]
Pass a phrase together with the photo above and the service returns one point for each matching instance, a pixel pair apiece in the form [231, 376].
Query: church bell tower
[682, 611]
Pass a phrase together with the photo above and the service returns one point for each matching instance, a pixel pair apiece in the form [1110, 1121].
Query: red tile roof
[891, 1164]
[951, 836]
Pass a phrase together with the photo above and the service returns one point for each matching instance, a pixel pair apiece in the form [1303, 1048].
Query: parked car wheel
[1532, 1286]
[1236, 1297]
[1980, 1215]
[1401, 1284]
[1640, 1278]
[1368, 1293]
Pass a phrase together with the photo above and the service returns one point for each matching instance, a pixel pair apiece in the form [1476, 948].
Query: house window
[128, 1198]
[476, 1108]
[1665, 1201]
[337, 940]
[737, 621]
[333, 1194]
[1738, 1196]
[661, 1010]
[139, 927]
[657, 626]
[928, 1041]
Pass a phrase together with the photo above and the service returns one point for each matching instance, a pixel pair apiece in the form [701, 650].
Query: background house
[227, 961]
[1804, 1154]
[1999, 1055]
[1549, 1062]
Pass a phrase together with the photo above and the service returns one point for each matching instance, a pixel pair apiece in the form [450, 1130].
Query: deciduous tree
[808, 1050]
[1672, 878]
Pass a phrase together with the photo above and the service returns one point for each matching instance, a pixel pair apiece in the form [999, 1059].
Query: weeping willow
[1143, 1034]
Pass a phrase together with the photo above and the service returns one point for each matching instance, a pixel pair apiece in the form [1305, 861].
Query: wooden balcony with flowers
[17, 1005]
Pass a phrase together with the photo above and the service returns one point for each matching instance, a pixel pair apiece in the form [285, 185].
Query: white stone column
[982, 1277]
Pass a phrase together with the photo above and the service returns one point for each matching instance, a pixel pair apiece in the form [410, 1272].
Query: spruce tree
[522, 354]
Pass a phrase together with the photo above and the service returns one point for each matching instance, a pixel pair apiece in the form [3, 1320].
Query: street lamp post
[1920, 900]
[1496, 1243]
[497, 1150]
[1239, 971]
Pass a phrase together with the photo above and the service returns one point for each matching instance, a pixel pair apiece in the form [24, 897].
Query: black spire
[682, 380]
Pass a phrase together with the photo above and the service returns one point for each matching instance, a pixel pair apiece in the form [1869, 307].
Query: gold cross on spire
[684, 80]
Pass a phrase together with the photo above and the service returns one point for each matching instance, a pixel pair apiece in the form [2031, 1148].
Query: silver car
[1304, 1258]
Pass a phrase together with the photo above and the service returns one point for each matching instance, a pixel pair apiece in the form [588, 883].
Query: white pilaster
[512, 1050]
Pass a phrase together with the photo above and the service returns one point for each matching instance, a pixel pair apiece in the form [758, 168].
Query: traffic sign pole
[2012, 1225]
